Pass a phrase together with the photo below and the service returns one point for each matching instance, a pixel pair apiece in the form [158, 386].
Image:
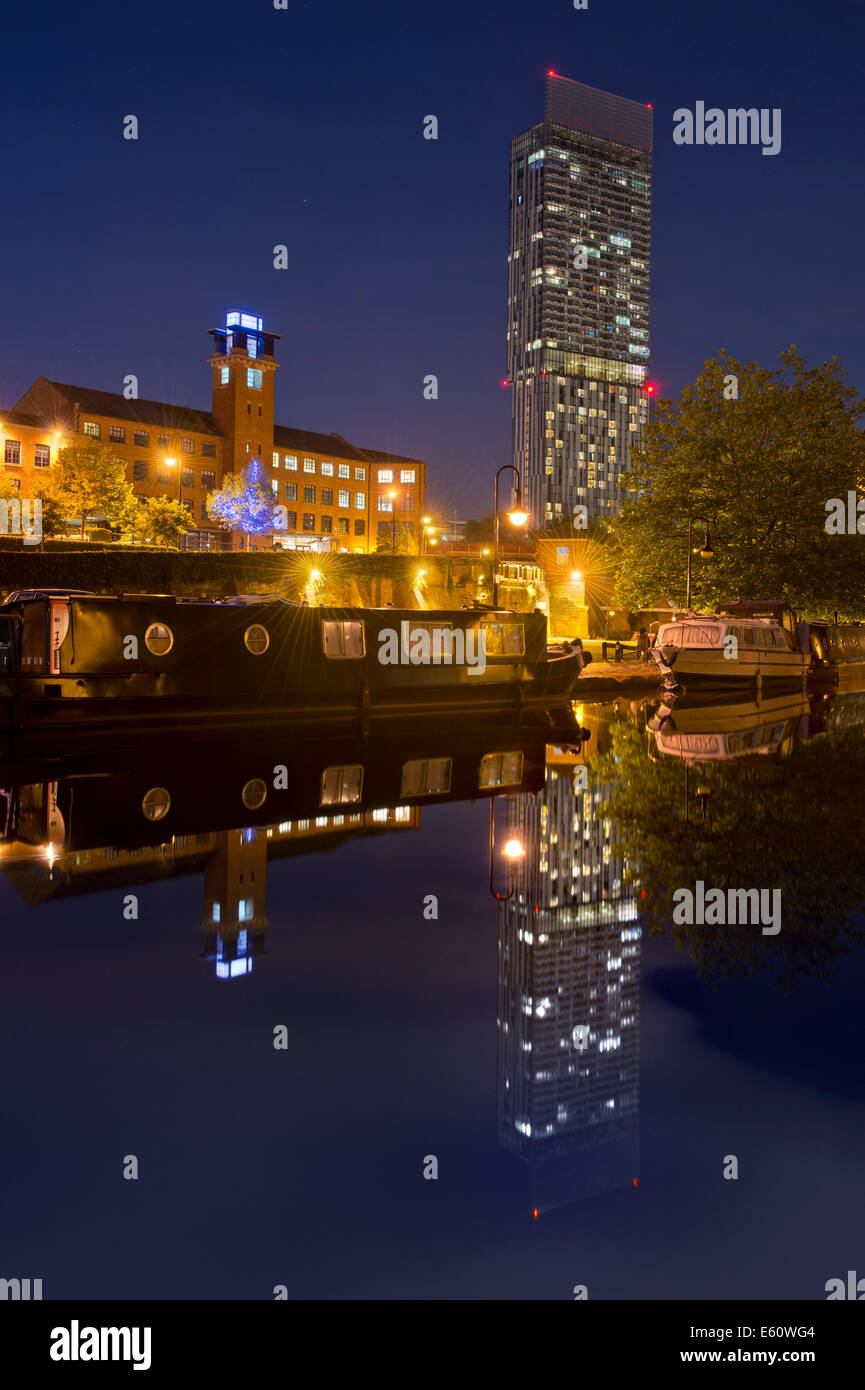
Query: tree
[53, 513]
[164, 520]
[245, 501]
[758, 454]
[90, 479]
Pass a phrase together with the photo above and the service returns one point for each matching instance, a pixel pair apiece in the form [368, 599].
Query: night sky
[304, 127]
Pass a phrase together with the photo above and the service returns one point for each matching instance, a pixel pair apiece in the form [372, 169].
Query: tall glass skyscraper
[578, 298]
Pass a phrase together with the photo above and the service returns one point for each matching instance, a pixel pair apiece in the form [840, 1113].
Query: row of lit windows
[12, 453]
[326, 467]
[386, 475]
[141, 439]
[343, 495]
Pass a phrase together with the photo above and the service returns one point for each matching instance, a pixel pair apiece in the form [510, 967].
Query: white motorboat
[730, 646]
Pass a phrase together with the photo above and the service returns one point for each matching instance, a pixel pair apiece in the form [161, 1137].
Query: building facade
[328, 494]
[578, 298]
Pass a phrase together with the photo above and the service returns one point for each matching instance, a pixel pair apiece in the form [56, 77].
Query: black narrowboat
[71, 661]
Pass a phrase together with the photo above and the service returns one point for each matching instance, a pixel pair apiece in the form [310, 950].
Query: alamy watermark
[417, 645]
[732, 127]
[21, 517]
[713, 907]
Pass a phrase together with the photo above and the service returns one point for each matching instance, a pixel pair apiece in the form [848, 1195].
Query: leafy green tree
[89, 479]
[759, 454]
[165, 520]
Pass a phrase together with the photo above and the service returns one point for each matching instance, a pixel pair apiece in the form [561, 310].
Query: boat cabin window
[701, 635]
[341, 786]
[780, 637]
[426, 777]
[256, 639]
[156, 803]
[254, 794]
[765, 637]
[342, 640]
[748, 637]
[501, 770]
[504, 639]
[159, 639]
[670, 634]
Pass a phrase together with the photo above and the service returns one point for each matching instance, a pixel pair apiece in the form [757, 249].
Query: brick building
[335, 495]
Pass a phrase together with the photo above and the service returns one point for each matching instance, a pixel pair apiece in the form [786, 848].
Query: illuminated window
[344, 499]
[291, 462]
[359, 501]
[309, 493]
[326, 468]
[309, 465]
[187, 446]
[501, 770]
[385, 475]
[360, 475]
[245, 910]
[503, 639]
[385, 504]
[12, 452]
[426, 777]
[344, 471]
[156, 803]
[117, 433]
[343, 640]
[216, 912]
[254, 794]
[42, 457]
[341, 786]
[256, 639]
[253, 378]
[159, 639]
[406, 475]
[223, 376]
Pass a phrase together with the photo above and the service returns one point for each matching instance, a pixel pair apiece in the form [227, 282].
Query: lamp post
[513, 850]
[706, 553]
[425, 521]
[517, 517]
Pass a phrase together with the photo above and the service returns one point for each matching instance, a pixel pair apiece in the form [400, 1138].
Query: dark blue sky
[304, 127]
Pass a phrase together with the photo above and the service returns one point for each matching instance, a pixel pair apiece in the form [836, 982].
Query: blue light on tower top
[238, 320]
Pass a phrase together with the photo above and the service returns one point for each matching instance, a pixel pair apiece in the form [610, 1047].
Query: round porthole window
[254, 794]
[156, 803]
[256, 639]
[159, 639]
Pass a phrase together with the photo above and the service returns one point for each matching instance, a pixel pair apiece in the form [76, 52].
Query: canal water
[296, 1016]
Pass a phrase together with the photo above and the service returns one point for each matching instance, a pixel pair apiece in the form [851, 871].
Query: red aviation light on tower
[650, 388]
[552, 73]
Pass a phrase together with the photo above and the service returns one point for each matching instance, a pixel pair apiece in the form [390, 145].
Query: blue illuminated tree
[244, 502]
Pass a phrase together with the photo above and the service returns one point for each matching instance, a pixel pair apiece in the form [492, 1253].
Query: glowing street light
[513, 849]
[517, 517]
[576, 576]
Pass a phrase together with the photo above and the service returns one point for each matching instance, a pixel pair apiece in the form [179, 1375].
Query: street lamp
[513, 851]
[706, 553]
[517, 517]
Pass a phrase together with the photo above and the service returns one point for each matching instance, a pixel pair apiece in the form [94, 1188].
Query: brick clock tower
[244, 367]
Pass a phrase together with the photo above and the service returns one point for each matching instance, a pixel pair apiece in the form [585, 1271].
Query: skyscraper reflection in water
[569, 959]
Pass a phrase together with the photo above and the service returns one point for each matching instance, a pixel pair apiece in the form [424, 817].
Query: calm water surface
[409, 1035]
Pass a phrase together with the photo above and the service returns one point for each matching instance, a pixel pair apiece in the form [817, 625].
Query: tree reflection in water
[794, 824]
